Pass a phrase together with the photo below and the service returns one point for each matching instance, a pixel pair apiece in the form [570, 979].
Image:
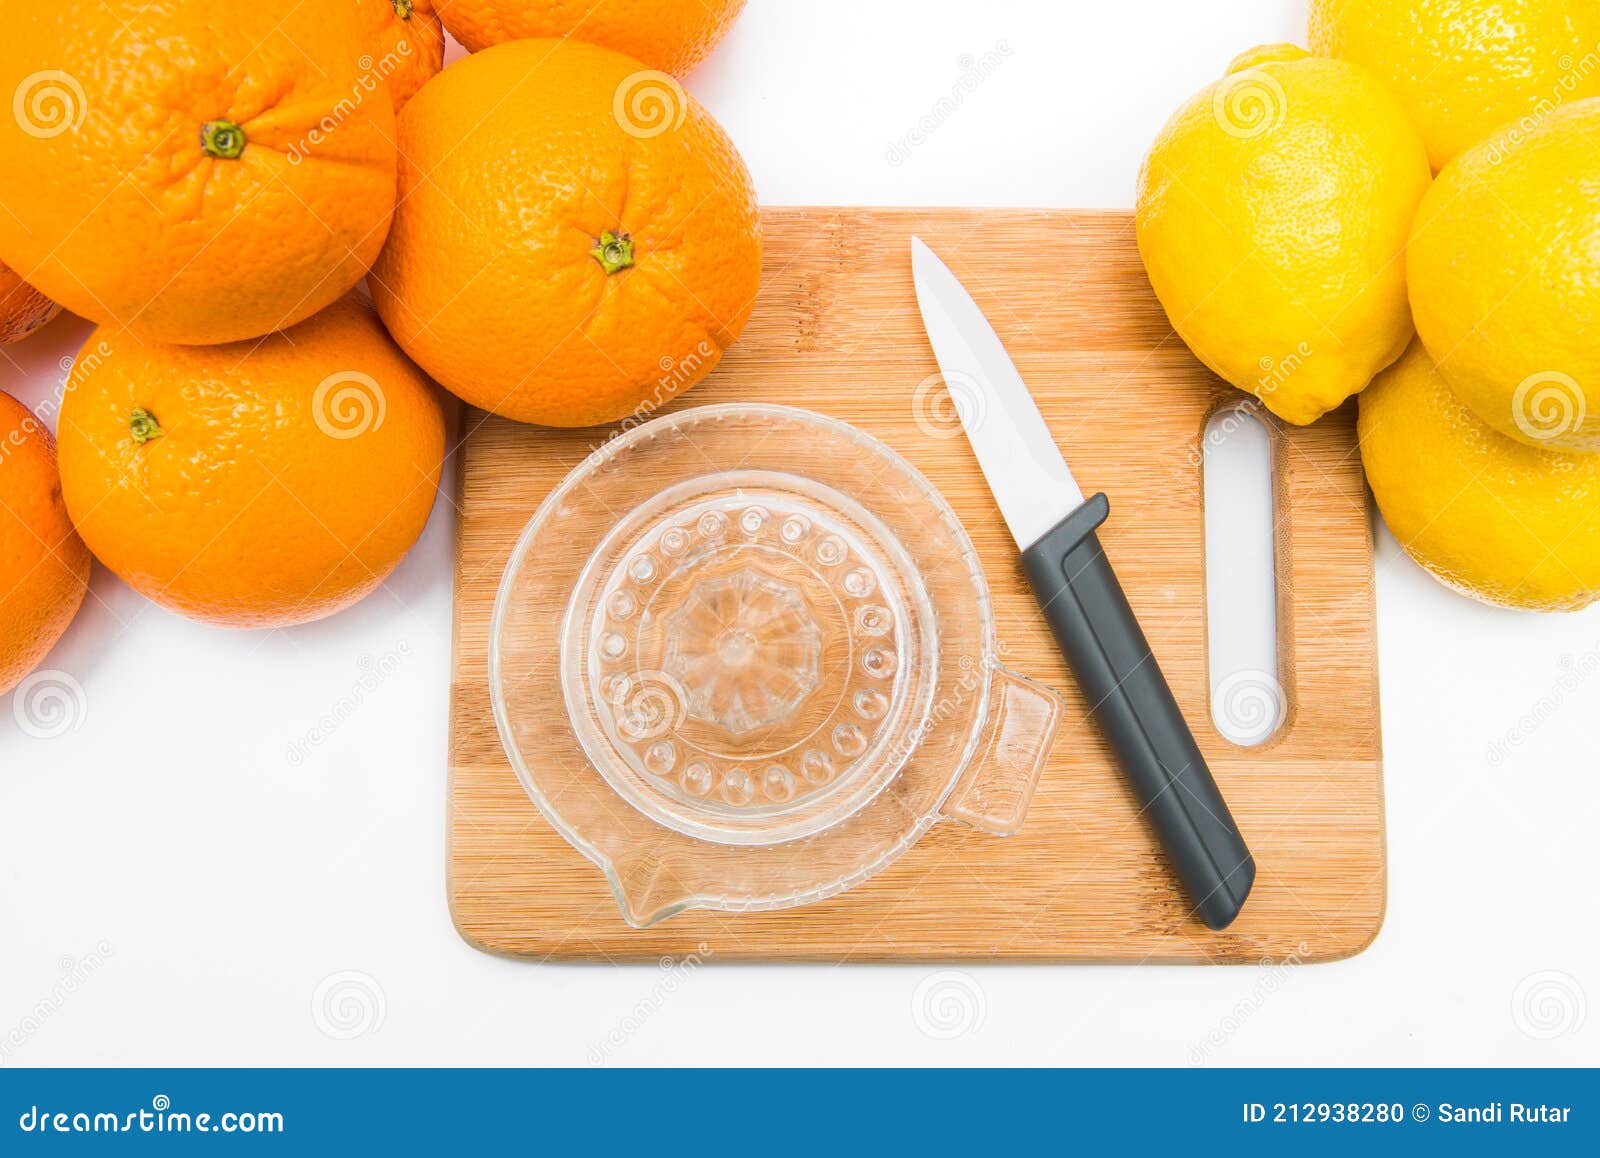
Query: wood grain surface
[836, 330]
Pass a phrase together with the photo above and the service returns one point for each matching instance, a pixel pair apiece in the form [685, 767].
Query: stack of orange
[242, 440]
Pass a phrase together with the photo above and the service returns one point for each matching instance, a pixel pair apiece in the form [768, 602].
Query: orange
[563, 253]
[254, 484]
[44, 566]
[23, 309]
[405, 44]
[194, 173]
[671, 35]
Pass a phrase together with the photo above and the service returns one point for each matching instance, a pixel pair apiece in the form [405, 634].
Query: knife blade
[1030, 480]
[1054, 527]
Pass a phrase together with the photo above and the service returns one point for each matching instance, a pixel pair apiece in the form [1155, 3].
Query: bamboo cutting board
[836, 329]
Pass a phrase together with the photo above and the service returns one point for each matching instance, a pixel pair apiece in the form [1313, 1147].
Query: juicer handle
[1102, 640]
[1019, 726]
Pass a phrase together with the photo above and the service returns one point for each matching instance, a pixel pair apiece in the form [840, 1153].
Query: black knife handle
[1103, 642]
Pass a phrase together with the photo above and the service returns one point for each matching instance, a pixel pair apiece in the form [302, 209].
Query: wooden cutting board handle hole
[1249, 697]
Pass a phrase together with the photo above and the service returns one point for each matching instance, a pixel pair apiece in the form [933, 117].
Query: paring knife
[1054, 526]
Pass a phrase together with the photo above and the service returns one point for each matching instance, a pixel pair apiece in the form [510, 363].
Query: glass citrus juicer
[744, 656]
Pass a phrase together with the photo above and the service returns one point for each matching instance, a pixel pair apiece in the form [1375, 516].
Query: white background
[205, 885]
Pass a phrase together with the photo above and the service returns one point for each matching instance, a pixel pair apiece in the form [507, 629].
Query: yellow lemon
[1504, 265]
[1497, 520]
[1464, 68]
[1272, 212]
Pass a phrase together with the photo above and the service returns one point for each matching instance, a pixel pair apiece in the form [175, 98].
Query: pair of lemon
[1292, 227]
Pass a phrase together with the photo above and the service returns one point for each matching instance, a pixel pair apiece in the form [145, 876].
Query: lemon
[1272, 211]
[1500, 521]
[1504, 265]
[1464, 68]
